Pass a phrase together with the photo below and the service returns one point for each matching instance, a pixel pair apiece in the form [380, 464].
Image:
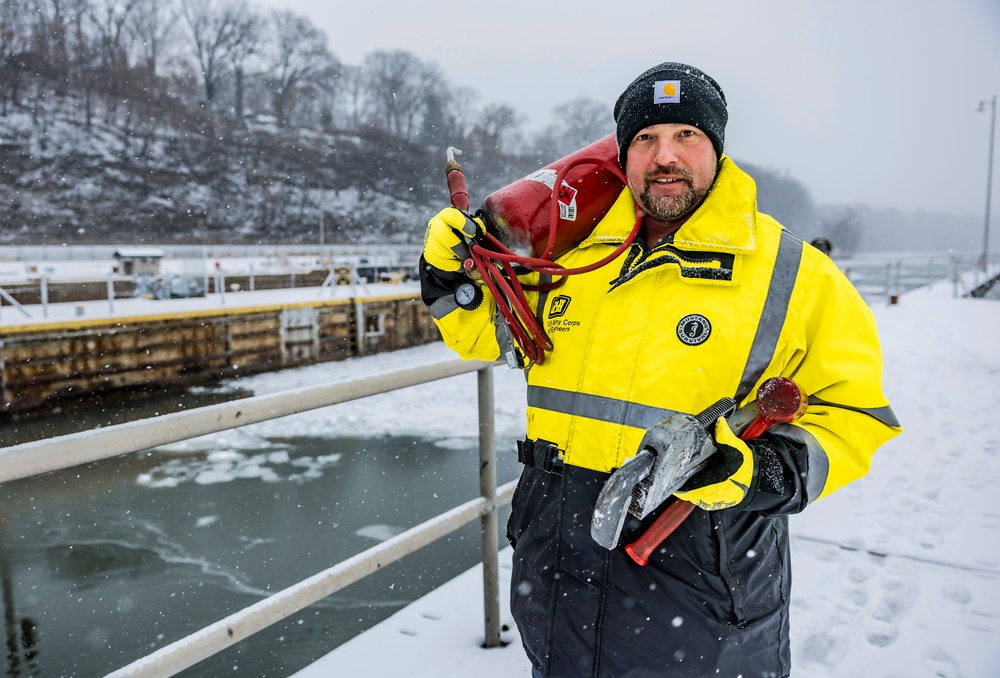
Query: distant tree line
[186, 85]
[144, 57]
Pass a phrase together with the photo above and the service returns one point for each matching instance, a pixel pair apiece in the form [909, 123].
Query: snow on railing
[29, 459]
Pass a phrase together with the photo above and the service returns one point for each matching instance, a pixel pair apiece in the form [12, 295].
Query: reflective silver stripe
[543, 297]
[772, 317]
[461, 250]
[611, 410]
[817, 463]
[883, 414]
[443, 306]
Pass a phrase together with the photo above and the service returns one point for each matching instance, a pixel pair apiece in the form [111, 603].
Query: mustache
[672, 170]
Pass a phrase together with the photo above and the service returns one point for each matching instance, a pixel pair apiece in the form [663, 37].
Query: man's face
[670, 169]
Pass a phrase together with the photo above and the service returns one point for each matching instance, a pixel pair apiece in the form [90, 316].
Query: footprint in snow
[816, 648]
[931, 538]
[857, 596]
[880, 633]
[956, 594]
[940, 663]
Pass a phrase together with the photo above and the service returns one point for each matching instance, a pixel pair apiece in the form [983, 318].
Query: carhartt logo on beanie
[671, 93]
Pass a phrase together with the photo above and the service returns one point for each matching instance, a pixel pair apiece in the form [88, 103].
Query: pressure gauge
[469, 296]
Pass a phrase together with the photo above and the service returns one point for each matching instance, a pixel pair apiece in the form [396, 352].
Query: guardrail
[886, 279]
[29, 459]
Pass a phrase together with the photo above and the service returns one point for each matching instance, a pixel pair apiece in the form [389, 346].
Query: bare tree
[496, 123]
[212, 29]
[439, 126]
[85, 55]
[152, 25]
[300, 55]
[395, 88]
[13, 44]
[431, 119]
[50, 58]
[110, 18]
[353, 100]
[320, 109]
[581, 122]
[249, 34]
[463, 107]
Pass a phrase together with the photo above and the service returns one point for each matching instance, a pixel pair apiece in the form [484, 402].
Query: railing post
[488, 491]
[954, 276]
[43, 290]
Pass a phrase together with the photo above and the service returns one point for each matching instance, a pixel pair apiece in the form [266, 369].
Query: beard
[670, 207]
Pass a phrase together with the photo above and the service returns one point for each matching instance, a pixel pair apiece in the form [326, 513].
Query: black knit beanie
[671, 93]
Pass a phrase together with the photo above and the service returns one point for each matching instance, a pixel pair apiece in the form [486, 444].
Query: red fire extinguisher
[523, 211]
[535, 220]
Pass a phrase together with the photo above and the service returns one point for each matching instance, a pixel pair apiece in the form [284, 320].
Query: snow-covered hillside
[184, 176]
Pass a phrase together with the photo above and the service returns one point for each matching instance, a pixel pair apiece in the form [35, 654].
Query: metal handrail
[53, 454]
[28, 459]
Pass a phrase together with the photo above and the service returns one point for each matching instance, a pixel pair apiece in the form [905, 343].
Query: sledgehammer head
[613, 502]
[681, 446]
[671, 452]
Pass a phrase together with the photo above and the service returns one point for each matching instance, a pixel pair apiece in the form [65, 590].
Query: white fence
[29, 459]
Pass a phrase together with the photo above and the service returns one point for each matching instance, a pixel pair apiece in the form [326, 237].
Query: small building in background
[138, 260]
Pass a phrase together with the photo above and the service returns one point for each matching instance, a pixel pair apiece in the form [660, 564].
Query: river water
[102, 564]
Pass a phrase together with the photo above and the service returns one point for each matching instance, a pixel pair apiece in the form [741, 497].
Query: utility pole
[989, 179]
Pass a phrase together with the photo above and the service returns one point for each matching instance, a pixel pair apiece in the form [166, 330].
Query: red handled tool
[779, 399]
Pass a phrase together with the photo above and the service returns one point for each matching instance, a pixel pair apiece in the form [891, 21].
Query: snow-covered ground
[895, 576]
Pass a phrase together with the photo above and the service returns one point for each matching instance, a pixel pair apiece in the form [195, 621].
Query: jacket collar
[725, 222]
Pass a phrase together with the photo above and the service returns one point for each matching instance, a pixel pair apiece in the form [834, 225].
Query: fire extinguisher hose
[495, 261]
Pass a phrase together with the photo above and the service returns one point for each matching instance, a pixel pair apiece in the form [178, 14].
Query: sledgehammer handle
[662, 527]
[781, 400]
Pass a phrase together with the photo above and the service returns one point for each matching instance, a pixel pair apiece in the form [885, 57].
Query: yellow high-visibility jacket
[731, 300]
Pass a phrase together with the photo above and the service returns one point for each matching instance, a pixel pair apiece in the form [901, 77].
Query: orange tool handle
[662, 527]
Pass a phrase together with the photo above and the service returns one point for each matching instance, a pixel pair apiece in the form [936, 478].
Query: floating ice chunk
[278, 457]
[214, 476]
[224, 455]
[379, 532]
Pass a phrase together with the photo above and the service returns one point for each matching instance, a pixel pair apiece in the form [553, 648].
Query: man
[823, 245]
[711, 300]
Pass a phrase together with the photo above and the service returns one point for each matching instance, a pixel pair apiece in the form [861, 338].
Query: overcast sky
[870, 101]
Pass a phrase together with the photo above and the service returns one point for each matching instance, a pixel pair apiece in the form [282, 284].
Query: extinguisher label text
[566, 195]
